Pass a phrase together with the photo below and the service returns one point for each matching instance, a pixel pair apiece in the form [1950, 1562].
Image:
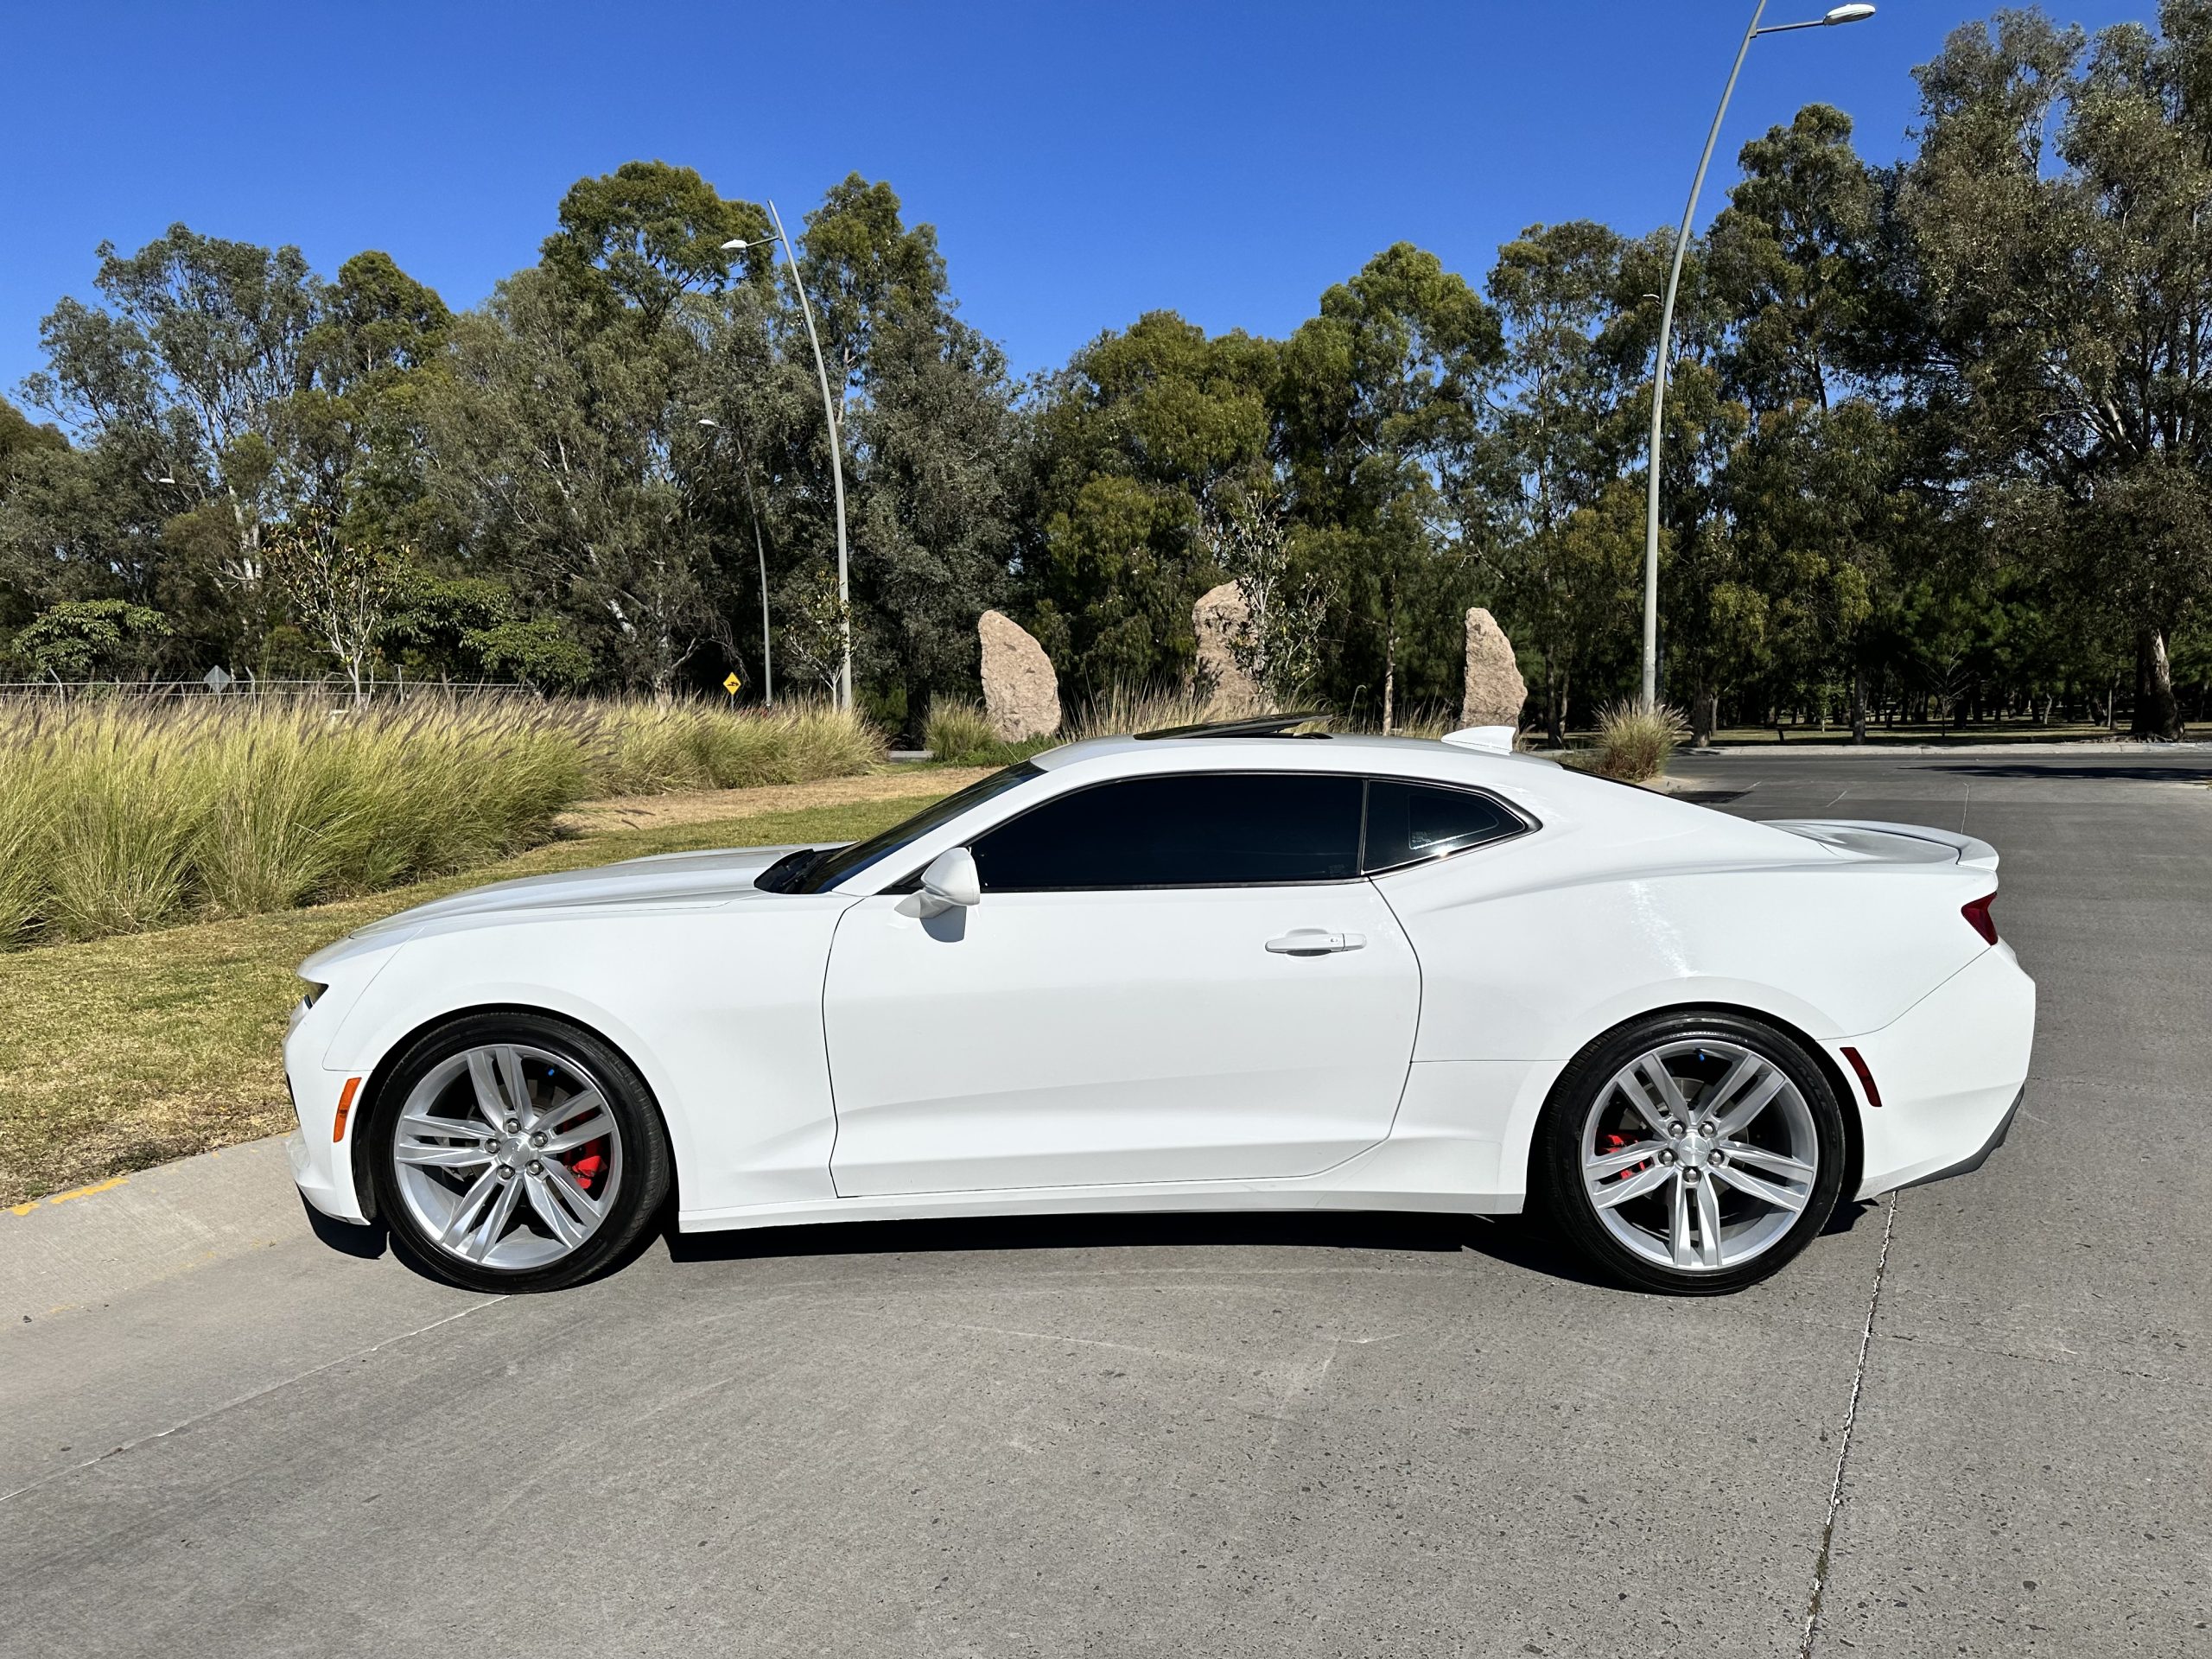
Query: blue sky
[1083, 163]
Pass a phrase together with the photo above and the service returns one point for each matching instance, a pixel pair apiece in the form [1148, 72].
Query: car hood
[667, 880]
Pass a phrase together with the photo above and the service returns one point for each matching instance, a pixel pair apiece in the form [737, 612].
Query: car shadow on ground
[1522, 1241]
[1515, 1240]
[364, 1241]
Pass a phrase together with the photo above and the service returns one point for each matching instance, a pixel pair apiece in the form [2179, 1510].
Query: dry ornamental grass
[129, 1051]
[119, 817]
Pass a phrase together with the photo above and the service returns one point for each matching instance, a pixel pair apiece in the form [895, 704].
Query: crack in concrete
[1843, 1452]
[245, 1399]
[2074, 1363]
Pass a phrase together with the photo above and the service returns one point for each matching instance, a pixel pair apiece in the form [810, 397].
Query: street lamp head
[1849, 15]
[739, 245]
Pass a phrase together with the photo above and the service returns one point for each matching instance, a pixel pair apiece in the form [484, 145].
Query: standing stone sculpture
[1021, 695]
[1495, 689]
[1222, 618]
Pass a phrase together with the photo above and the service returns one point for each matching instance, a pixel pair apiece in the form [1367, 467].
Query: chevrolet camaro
[1242, 967]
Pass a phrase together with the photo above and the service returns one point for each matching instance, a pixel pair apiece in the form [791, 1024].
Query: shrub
[1125, 710]
[1634, 742]
[959, 731]
[643, 747]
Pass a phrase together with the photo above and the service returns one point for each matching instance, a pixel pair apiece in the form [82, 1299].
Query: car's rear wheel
[1692, 1153]
[516, 1151]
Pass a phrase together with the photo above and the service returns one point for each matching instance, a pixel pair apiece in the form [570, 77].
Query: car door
[1168, 978]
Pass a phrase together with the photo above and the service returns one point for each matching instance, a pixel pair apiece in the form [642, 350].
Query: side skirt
[1205, 1195]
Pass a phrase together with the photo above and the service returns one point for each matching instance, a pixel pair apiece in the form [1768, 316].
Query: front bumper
[1952, 1072]
[322, 1157]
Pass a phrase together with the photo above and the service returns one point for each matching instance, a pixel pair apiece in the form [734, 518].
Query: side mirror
[951, 882]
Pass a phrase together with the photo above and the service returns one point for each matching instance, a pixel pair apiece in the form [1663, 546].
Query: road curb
[81, 1249]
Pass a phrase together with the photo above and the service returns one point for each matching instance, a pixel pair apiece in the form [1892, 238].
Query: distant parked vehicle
[1237, 967]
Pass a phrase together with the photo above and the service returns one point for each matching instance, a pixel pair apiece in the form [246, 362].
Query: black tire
[1556, 1162]
[646, 1166]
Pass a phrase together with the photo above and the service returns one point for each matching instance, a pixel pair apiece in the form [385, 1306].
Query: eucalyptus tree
[2058, 205]
[178, 386]
[937, 444]
[1379, 410]
[563, 426]
[1816, 490]
[1566, 549]
[1146, 432]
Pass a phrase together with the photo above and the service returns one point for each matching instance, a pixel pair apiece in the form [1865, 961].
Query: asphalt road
[1971, 1420]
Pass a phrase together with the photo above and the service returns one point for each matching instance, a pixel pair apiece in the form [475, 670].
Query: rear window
[1411, 823]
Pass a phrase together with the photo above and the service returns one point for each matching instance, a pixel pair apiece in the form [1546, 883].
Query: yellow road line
[73, 1192]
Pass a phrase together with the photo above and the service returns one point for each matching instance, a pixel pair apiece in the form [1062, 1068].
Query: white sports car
[1227, 968]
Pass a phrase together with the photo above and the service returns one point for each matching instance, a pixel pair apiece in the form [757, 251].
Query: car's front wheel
[516, 1151]
[1692, 1153]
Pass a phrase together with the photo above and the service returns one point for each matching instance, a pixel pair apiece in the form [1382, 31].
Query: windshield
[815, 869]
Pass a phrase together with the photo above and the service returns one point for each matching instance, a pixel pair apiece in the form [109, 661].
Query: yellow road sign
[732, 683]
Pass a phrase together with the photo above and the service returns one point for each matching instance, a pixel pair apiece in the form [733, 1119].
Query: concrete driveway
[1973, 1420]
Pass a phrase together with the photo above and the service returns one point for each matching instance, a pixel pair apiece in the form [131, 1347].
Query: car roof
[1224, 751]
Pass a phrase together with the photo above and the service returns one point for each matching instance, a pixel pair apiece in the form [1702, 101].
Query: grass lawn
[133, 1050]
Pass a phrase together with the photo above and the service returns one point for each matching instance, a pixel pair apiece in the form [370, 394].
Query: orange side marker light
[344, 1107]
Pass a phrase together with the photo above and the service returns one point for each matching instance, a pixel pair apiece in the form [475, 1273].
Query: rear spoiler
[1895, 843]
[1490, 740]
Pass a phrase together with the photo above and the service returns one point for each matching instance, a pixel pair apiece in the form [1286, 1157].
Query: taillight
[1977, 915]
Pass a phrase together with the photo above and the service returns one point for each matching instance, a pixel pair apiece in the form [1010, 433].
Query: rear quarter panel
[1530, 949]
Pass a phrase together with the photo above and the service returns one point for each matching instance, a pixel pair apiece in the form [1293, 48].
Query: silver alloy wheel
[508, 1156]
[1699, 1154]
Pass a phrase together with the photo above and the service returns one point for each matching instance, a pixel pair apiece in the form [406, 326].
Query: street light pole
[1850, 13]
[837, 455]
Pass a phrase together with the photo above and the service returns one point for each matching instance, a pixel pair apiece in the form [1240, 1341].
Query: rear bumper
[1968, 1165]
[1952, 1072]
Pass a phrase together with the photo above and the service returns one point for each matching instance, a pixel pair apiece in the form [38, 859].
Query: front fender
[720, 1010]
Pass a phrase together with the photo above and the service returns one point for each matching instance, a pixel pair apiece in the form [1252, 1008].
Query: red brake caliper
[591, 1160]
[1613, 1140]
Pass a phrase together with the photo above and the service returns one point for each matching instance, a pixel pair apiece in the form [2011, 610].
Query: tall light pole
[1837, 15]
[738, 245]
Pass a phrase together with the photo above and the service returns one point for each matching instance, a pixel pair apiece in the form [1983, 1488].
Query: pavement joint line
[1843, 1452]
[248, 1398]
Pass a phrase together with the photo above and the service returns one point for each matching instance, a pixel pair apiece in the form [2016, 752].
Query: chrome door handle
[1315, 942]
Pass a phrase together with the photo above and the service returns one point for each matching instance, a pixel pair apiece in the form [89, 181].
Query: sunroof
[1259, 725]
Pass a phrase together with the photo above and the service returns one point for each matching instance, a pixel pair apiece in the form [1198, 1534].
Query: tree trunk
[2157, 714]
[1390, 676]
[1858, 702]
[1705, 714]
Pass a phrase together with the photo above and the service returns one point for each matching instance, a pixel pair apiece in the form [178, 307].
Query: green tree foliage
[85, 639]
[2058, 210]
[1937, 442]
[1137, 439]
[1379, 428]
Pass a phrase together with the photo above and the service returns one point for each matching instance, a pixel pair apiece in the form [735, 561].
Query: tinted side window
[1203, 830]
[1408, 824]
